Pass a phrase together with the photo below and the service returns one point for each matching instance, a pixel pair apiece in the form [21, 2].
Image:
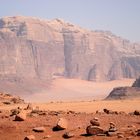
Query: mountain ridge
[62, 21]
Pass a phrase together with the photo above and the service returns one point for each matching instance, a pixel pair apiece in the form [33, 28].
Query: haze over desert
[76, 90]
[70, 69]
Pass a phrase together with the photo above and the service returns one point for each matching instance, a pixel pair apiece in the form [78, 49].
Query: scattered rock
[42, 113]
[131, 126]
[4, 116]
[96, 119]
[112, 130]
[21, 116]
[33, 115]
[111, 134]
[30, 137]
[112, 127]
[20, 108]
[7, 102]
[120, 136]
[94, 130]
[95, 122]
[99, 112]
[122, 113]
[71, 112]
[68, 135]
[131, 113]
[15, 111]
[129, 138]
[39, 129]
[62, 124]
[29, 107]
[107, 111]
[56, 113]
[136, 112]
[46, 137]
[138, 132]
[101, 134]
[38, 112]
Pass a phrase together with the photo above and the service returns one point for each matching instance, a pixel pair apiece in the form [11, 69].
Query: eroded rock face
[126, 92]
[31, 48]
[136, 83]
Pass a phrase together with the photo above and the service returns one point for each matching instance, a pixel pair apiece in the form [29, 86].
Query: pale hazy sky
[122, 17]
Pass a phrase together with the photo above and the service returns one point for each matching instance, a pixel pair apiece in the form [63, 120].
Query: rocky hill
[32, 48]
[126, 92]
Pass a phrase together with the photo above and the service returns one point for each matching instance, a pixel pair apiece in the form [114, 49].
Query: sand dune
[75, 90]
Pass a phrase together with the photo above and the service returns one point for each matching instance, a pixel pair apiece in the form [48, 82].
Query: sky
[121, 17]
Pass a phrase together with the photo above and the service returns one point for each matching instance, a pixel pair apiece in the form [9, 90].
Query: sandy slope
[74, 89]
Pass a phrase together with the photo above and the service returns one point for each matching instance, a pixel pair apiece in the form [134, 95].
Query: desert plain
[75, 109]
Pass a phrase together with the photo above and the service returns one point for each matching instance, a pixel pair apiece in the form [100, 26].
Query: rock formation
[37, 49]
[9, 99]
[136, 83]
[126, 92]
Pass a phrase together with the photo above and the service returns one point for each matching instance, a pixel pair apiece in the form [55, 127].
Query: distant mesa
[126, 92]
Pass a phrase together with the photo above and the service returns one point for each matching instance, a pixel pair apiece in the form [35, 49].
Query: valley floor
[85, 106]
[78, 102]
[78, 120]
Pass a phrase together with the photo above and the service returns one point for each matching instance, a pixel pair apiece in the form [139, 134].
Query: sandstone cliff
[32, 48]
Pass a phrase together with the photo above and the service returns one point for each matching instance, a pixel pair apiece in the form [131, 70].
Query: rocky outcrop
[32, 48]
[9, 99]
[21, 116]
[136, 83]
[126, 92]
